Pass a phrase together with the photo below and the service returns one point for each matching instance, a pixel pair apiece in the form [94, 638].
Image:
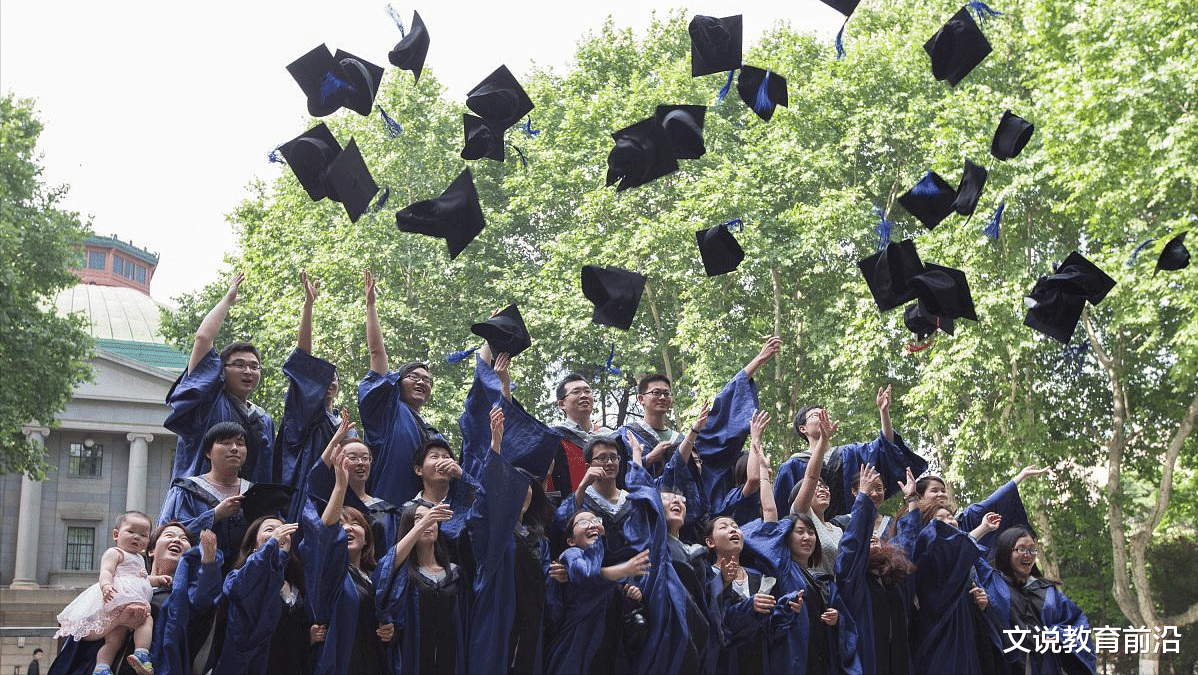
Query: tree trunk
[662, 342]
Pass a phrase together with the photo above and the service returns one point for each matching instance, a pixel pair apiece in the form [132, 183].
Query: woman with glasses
[389, 402]
[1028, 605]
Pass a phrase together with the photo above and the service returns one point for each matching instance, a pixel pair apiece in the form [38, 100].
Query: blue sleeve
[493, 517]
[723, 437]
[1061, 612]
[768, 542]
[191, 400]
[790, 474]
[308, 381]
[906, 531]
[394, 433]
[252, 592]
[739, 621]
[852, 563]
[1006, 502]
[585, 566]
[945, 558]
[184, 506]
[206, 593]
[325, 554]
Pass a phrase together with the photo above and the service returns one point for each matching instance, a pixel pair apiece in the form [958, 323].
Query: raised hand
[496, 429]
[502, 368]
[701, 420]
[866, 477]
[438, 514]
[757, 425]
[1029, 471]
[909, 487]
[282, 534]
[883, 399]
[368, 287]
[234, 284]
[207, 546]
[311, 288]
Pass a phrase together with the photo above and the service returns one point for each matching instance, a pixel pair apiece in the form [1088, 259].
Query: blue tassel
[458, 357]
[983, 11]
[735, 223]
[611, 356]
[1077, 355]
[1134, 254]
[331, 84]
[840, 40]
[390, 125]
[991, 229]
[520, 154]
[275, 156]
[382, 200]
[398, 21]
[883, 228]
[528, 130]
[727, 87]
[763, 103]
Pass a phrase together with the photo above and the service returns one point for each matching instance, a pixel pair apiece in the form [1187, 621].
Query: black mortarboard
[1078, 276]
[309, 155]
[455, 216]
[1052, 311]
[348, 181]
[762, 90]
[684, 128]
[715, 44]
[845, 7]
[919, 320]
[888, 274]
[266, 499]
[409, 53]
[481, 139]
[615, 292]
[1012, 134]
[1174, 256]
[970, 188]
[720, 251]
[930, 200]
[944, 292]
[642, 153]
[363, 79]
[957, 48]
[505, 332]
[309, 72]
[499, 99]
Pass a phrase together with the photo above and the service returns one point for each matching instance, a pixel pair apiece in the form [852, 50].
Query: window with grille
[96, 260]
[81, 547]
[85, 462]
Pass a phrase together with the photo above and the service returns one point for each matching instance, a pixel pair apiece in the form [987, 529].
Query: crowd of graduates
[341, 543]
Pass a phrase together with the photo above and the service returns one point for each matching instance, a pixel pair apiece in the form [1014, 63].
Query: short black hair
[238, 346]
[647, 380]
[407, 368]
[38, 650]
[436, 442]
[801, 418]
[588, 450]
[221, 431]
[572, 377]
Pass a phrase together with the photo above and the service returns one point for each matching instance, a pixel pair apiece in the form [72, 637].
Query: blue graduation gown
[492, 520]
[195, 507]
[195, 593]
[576, 611]
[254, 609]
[198, 401]
[769, 544]
[944, 637]
[1058, 611]
[890, 458]
[527, 442]
[394, 432]
[383, 515]
[307, 425]
[744, 633]
[852, 577]
[1006, 502]
[399, 598]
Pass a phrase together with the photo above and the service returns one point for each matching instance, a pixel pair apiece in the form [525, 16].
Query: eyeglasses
[588, 522]
[605, 459]
[352, 459]
[251, 366]
[416, 377]
[1027, 551]
[673, 497]
[581, 391]
[658, 393]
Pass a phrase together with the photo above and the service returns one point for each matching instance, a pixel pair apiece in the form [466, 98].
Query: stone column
[29, 517]
[139, 461]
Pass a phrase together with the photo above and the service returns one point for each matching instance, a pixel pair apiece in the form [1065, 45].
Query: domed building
[109, 452]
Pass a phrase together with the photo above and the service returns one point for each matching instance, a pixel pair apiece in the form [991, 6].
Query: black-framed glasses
[605, 459]
[658, 393]
[416, 377]
[252, 366]
[1027, 551]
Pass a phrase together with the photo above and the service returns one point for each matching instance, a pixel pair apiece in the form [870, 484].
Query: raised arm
[687, 446]
[374, 331]
[338, 436]
[883, 402]
[303, 339]
[332, 510]
[990, 523]
[210, 326]
[769, 508]
[403, 548]
[772, 346]
[1029, 471]
[815, 463]
[496, 430]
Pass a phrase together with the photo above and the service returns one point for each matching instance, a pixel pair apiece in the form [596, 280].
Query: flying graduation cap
[615, 292]
[969, 190]
[456, 216]
[944, 292]
[845, 7]
[957, 48]
[481, 139]
[642, 153]
[930, 200]
[1055, 303]
[1174, 256]
[683, 125]
[332, 81]
[324, 169]
[410, 52]
[888, 274]
[762, 90]
[349, 182]
[500, 102]
[1012, 134]
[716, 44]
[505, 331]
[720, 251]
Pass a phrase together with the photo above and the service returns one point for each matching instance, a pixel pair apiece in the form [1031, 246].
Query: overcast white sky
[159, 114]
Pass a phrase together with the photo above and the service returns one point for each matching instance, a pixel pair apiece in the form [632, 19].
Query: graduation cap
[1012, 134]
[499, 99]
[720, 251]
[889, 272]
[762, 90]
[309, 155]
[930, 200]
[505, 331]
[331, 81]
[1056, 301]
[642, 153]
[481, 139]
[957, 48]
[348, 181]
[920, 320]
[944, 292]
[970, 188]
[363, 78]
[1174, 256]
[716, 44]
[309, 73]
[266, 499]
[410, 52]
[455, 216]
[615, 292]
[683, 125]
[1078, 276]
[845, 7]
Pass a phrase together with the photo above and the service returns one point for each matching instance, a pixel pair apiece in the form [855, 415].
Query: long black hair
[1006, 544]
[407, 521]
[539, 513]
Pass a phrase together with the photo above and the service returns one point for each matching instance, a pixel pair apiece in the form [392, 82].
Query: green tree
[43, 355]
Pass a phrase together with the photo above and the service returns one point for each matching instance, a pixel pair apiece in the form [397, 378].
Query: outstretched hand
[883, 399]
[908, 487]
[866, 477]
[368, 287]
[496, 429]
[311, 288]
[1029, 471]
[757, 425]
[234, 283]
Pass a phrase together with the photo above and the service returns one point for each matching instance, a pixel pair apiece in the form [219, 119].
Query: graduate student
[389, 402]
[1005, 501]
[383, 515]
[577, 402]
[812, 497]
[216, 388]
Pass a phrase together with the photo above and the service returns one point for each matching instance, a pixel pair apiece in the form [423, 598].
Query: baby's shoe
[139, 660]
